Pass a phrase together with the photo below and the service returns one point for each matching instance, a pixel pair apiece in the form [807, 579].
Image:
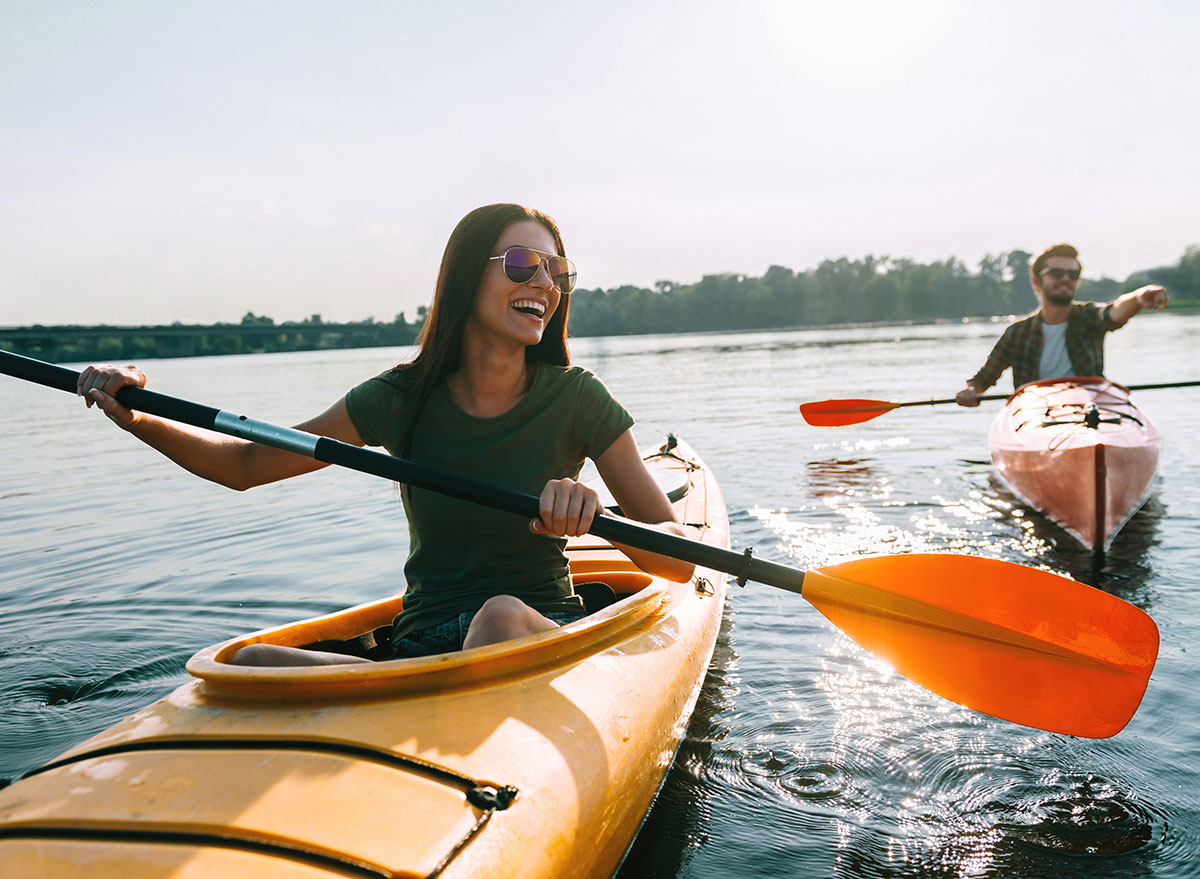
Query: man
[1063, 337]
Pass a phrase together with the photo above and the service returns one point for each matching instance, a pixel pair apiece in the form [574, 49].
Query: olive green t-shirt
[460, 553]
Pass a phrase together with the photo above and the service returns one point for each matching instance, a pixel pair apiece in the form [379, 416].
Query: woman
[490, 394]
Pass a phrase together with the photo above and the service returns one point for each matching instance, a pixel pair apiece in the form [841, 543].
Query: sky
[193, 161]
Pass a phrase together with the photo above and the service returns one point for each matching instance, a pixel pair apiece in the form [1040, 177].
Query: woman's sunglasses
[521, 264]
[1059, 274]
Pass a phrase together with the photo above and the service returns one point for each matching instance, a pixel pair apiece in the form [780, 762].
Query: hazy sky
[193, 161]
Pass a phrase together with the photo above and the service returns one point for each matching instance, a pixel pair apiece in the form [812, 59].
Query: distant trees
[841, 290]
[1182, 279]
[254, 333]
[1023, 297]
[871, 289]
[866, 290]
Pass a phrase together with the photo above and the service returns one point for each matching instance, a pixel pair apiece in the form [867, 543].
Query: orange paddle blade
[838, 413]
[1010, 641]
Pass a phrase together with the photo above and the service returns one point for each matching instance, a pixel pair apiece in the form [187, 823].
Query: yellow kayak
[538, 757]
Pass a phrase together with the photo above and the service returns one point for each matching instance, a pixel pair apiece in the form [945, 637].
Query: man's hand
[968, 397]
[1152, 296]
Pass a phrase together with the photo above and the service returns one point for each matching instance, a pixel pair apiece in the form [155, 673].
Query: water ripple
[783, 772]
[805, 756]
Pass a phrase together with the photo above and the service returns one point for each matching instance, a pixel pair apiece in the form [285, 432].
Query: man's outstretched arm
[1128, 304]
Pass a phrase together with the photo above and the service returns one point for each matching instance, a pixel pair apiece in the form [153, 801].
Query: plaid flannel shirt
[1020, 346]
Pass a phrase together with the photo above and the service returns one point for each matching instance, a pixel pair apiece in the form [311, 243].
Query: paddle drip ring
[746, 562]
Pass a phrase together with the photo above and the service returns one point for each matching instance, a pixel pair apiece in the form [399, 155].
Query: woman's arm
[641, 498]
[228, 461]
[568, 507]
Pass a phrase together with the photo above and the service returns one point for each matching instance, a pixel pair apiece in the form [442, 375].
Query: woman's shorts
[448, 637]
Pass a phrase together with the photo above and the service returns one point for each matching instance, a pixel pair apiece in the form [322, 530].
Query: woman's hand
[567, 508]
[98, 386]
[642, 499]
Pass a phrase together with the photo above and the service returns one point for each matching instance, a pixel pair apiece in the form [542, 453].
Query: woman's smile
[532, 307]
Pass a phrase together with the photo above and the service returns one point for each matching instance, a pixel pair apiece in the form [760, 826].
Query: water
[806, 757]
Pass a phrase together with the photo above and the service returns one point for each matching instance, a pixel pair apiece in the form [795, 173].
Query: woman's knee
[503, 610]
[503, 617]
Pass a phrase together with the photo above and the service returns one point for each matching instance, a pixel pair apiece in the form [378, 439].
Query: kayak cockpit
[640, 601]
[623, 602]
[597, 592]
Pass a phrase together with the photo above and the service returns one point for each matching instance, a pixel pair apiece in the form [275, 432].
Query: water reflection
[858, 506]
[799, 340]
[1018, 821]
[900, 784]
[805, 756]
[954, 793]
[909, 784]
[1123, 570]
[835, 477]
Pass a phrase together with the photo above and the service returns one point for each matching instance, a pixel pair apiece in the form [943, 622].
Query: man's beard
[1061, 297]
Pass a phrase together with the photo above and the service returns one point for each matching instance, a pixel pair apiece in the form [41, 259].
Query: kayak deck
[1079, 451]
[535, 757]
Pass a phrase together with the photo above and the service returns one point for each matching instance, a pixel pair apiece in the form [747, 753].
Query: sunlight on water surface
[806, 755]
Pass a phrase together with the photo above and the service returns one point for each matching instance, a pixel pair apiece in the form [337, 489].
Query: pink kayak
[1079, 451]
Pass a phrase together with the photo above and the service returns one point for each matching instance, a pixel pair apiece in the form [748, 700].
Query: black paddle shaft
[982, 397]
[742, 565]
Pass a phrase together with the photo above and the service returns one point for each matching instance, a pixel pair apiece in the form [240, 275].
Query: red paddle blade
[1014, 642]
[838, 413]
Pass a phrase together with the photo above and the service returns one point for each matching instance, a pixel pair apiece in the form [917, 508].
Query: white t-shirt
[1055, 362]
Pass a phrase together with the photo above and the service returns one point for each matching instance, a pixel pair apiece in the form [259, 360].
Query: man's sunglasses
[1059, 274]
[522, 263]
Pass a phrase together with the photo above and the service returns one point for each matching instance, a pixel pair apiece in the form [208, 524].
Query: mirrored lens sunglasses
[522, 263]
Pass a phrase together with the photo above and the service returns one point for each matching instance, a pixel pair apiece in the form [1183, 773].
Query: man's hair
[1053, 250]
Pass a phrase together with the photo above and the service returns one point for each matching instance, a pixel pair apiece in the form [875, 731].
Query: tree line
[837, 291]
[871, 289]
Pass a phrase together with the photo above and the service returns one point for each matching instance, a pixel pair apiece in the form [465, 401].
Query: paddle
[839, 413]
[1014, 642]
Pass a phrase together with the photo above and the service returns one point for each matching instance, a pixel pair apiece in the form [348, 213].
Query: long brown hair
[463, 262]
